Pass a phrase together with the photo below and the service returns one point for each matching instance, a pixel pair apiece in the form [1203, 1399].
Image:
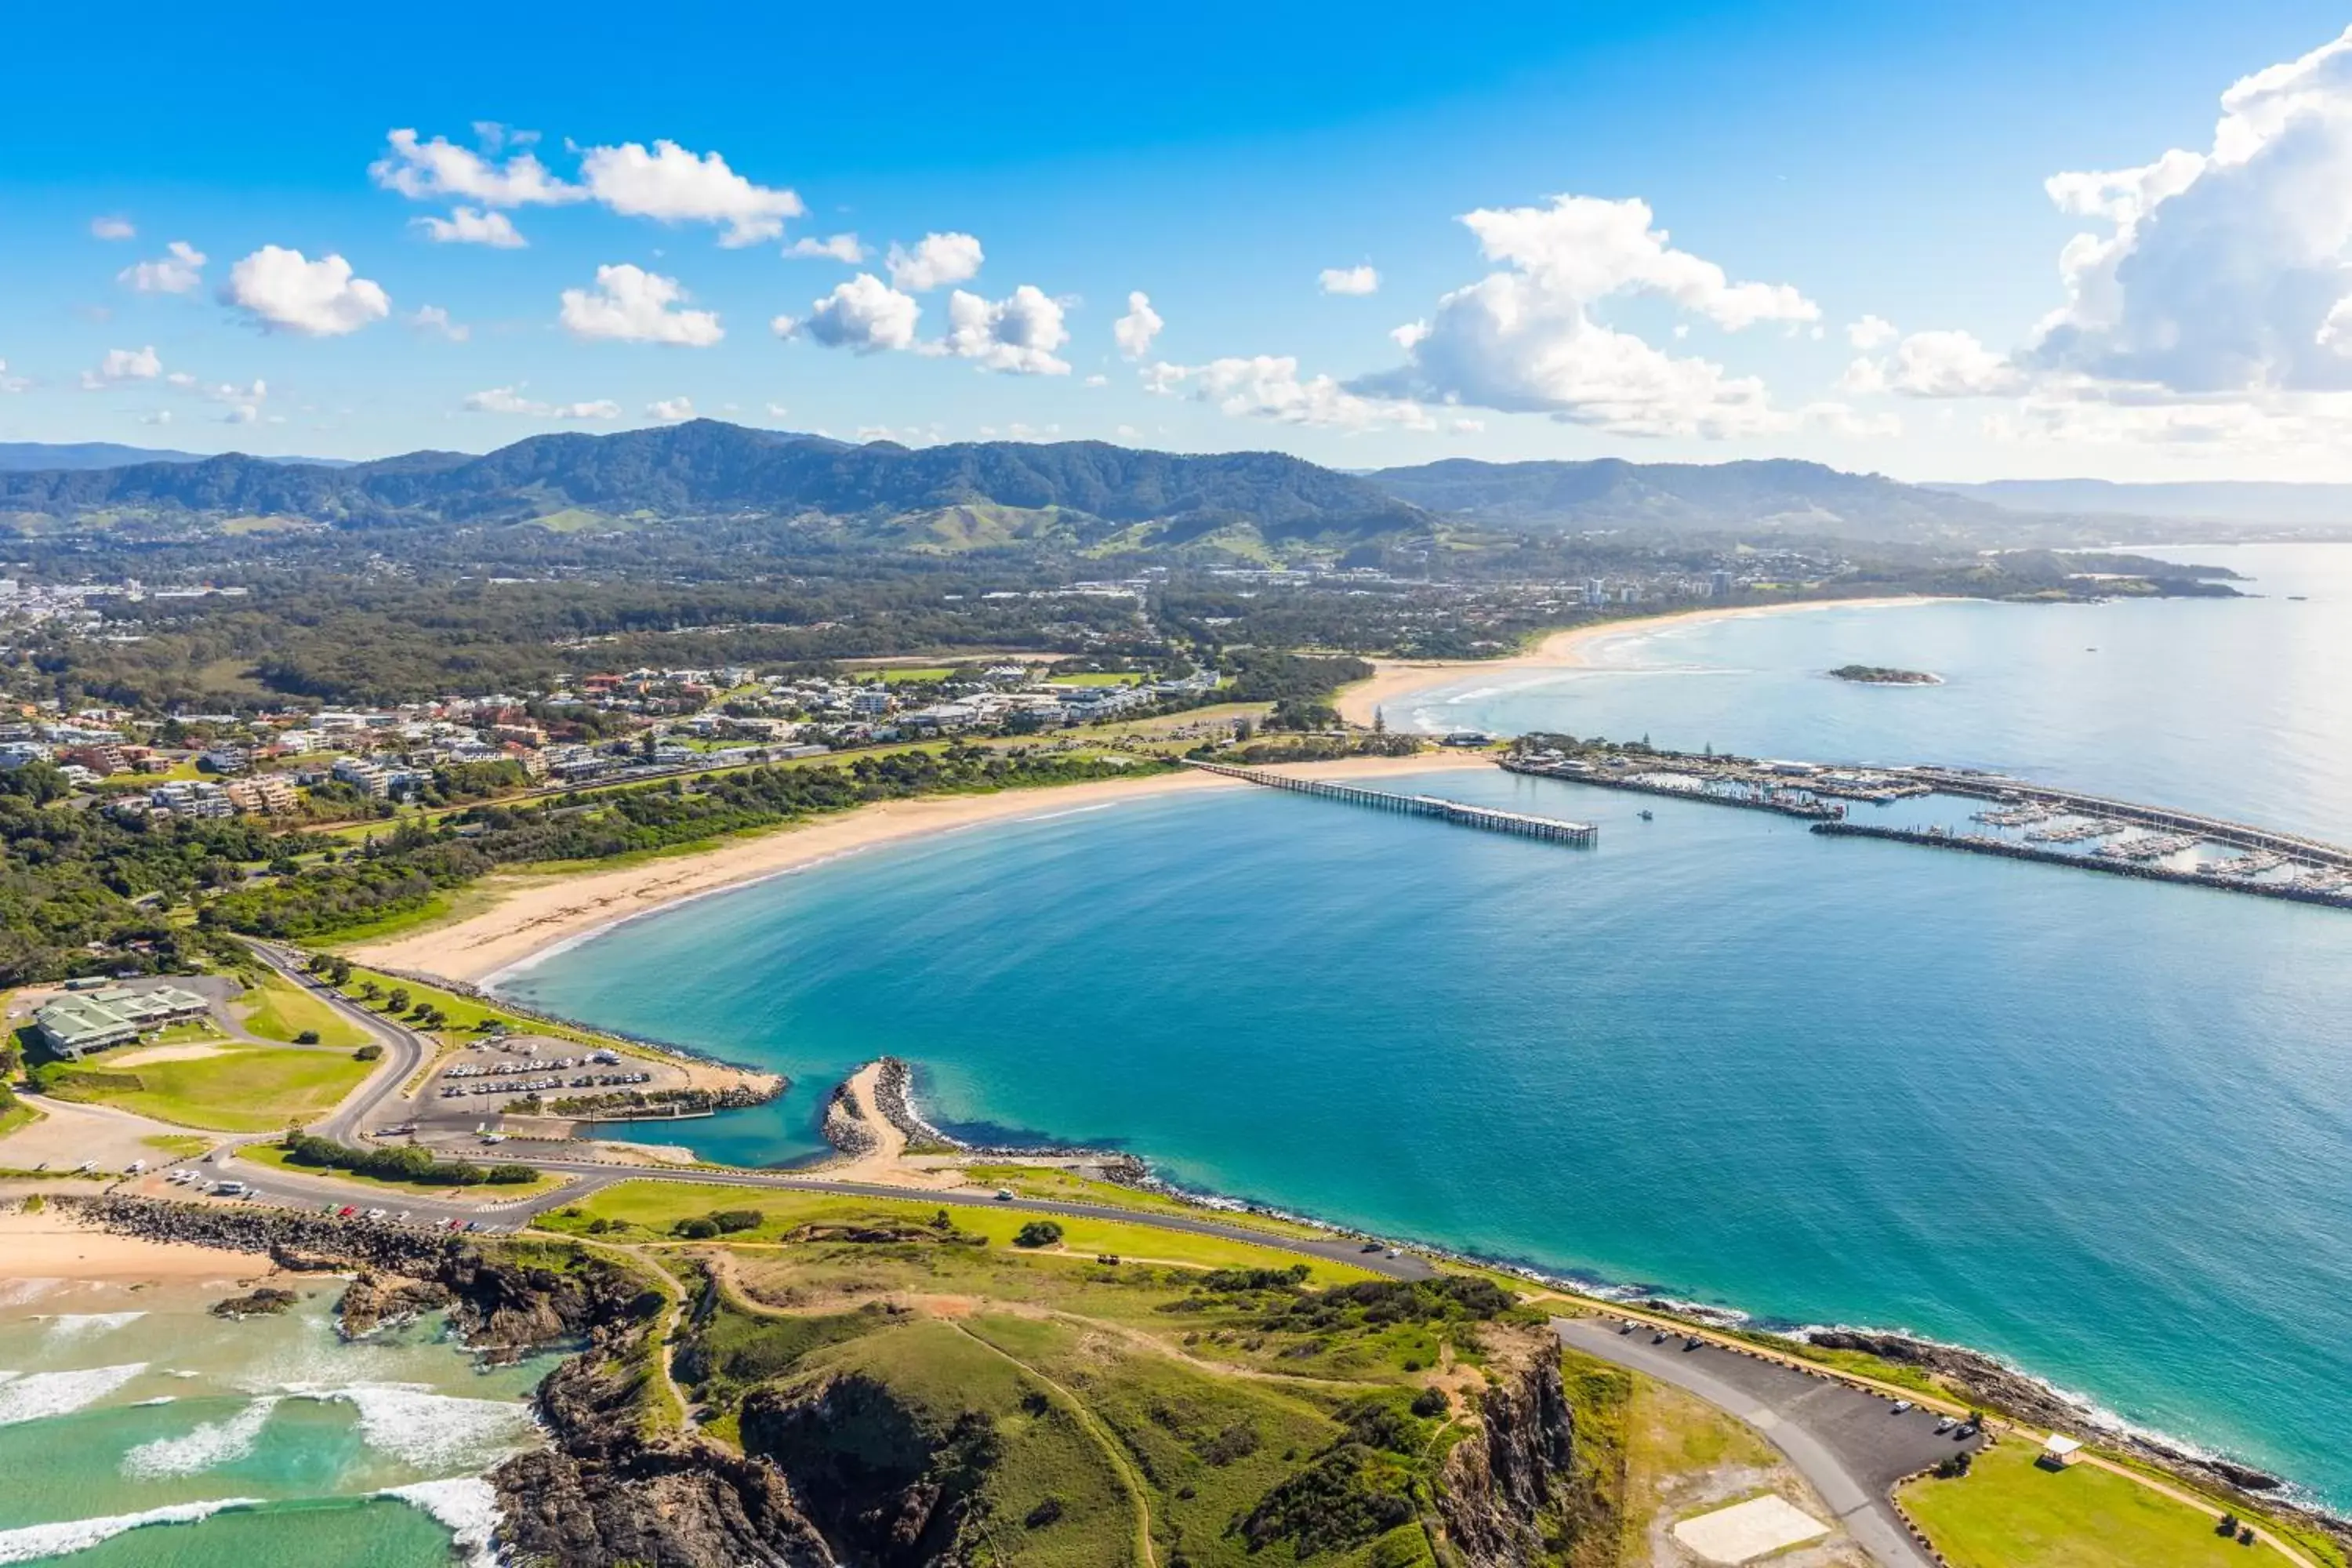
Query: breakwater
[1580, 834]
[1983, 844]
[2215, 829]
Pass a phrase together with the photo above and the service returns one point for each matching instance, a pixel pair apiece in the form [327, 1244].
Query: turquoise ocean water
[137, 1430]
[2097, 1127]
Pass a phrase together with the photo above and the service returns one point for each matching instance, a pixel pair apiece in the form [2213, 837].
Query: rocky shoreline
[1998, 1386]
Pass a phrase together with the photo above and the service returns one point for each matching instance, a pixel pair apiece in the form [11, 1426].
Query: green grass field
[656, 1207]
[2009, 1512]
[239, 1089]
[1047, 1182]
[278, 1009]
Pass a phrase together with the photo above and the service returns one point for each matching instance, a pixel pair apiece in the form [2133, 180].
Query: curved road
[1851, 1445]
[405, 1051]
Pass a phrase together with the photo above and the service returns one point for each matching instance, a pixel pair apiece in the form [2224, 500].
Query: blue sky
[1847, 247]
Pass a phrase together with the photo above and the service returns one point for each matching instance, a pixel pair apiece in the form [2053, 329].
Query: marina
[2014, 819]
[1551, 829]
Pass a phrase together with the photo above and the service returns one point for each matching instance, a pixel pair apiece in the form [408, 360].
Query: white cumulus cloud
[1268, 386]
[474, 225]
[673, 186]
[1949, 364]
[511, 400]
[123, 364]
[670, 410]
[935, 261]
[433, 321]
[1135, 331]
[284, 289]
[179, 271]
[865, 314]
[1872, 332]
[1017, 334]
[632, 306]
[1361, 279]
[842, 247]
[424, 171]
[1525, 339]
[2224, 270]
[112, 228]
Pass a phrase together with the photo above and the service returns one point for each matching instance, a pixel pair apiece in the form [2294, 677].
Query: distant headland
[1884, 675]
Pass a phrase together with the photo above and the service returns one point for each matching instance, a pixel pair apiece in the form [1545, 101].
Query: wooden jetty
[1551, 828]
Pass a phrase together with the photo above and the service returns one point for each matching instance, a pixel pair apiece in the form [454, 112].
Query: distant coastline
[1395, 680]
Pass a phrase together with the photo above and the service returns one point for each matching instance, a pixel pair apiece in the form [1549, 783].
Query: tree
[1039, 1232]
[369, 990]
[398, 1001]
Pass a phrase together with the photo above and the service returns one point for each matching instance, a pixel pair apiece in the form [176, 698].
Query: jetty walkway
[1580, 834]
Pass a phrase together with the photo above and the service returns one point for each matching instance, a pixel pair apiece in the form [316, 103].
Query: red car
[346, 1212]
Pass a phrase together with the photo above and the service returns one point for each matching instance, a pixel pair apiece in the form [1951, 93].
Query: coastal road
[1851, 1445]
[593, 1176]
[271, 1185]
[404, 1051]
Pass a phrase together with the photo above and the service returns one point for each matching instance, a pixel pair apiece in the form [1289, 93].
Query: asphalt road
[1851, 1445]
[405, 1051]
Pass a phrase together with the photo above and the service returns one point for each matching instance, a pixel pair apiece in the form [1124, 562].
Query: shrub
[695, 1228]
[1045, 1513]
[511, 1176]
[730, 1221]
[367, 1052]
[1429, 1402]
[1039, 1232]
[310, 1038]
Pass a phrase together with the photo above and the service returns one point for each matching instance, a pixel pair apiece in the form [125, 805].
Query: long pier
[1984, 844]
[1550, 829]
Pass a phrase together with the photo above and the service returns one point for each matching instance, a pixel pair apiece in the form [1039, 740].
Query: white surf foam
[16, 1292]
[431, 1431]
[32, 1542]
[212, 1444]
[34, 1396]
[67, 1327]
[465, 1506]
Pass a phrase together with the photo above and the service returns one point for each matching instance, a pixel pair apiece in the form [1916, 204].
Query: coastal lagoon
[2095, 1126]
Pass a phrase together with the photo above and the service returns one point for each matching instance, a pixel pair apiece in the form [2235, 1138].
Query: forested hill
[706, 466]
[1777, 496]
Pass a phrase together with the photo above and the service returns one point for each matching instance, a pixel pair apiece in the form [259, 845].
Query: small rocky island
[1884, 675]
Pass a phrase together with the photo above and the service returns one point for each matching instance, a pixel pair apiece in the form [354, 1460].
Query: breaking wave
[465, 1506]
[32, 1542]
[34, 1396]
[212, 1444]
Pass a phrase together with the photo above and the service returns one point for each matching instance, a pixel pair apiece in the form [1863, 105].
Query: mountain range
[1085, 492]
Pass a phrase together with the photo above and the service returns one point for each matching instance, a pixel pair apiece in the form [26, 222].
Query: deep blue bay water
[2097, 1127]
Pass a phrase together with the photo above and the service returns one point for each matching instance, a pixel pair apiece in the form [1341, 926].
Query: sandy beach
[1395, 680]
[532, 914]
[50, 1245]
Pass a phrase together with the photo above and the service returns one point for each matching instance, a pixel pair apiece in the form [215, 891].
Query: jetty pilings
[1490, 818]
